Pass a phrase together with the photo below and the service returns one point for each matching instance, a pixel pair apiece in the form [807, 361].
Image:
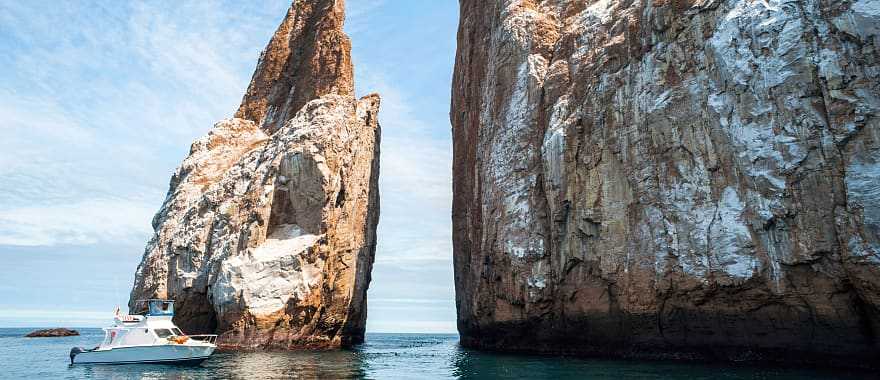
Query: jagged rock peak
[308, 56]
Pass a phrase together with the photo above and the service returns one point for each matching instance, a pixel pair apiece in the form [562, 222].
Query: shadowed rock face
[268, 231]
[687, 179]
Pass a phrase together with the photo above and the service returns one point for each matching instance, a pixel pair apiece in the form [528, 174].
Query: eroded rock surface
[692, 179]
[268, 231]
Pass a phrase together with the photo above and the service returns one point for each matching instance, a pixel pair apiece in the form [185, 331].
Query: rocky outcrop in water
[52, 333]
[690, 179]
[268, 231]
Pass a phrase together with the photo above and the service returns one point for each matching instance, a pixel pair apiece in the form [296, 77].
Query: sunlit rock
[268, 232]
[690, 179]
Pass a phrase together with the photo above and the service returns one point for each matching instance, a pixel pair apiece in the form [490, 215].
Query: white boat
[150, 337]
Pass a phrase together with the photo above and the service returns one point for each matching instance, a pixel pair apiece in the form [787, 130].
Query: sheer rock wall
[691, 179]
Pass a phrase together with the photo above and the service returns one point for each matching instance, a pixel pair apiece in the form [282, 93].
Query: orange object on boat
[178, 339]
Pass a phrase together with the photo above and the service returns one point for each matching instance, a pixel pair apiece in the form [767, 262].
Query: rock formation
[691, 179]
[268, 231]
[52, 333]
[308, 56]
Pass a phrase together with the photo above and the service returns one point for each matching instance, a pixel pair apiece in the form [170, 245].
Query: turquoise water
[384, 356]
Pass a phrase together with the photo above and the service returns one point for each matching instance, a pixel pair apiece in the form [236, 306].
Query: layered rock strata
[692, 179]
[268, 231]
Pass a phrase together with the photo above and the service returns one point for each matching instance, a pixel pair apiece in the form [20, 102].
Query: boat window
[177, 332]
[164, 333]
[160, 307]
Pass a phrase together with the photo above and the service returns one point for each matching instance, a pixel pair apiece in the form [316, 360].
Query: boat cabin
[150, 325]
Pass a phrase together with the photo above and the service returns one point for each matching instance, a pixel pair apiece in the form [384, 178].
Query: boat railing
[207, 338]
[130, 318]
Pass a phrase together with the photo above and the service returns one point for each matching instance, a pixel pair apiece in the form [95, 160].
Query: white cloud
[411, 315]
[36, 318]
[423, 301]
[85, 222]
[415, 181]
[412, 288]
[101, 103]
[423, 327]
[52, 314]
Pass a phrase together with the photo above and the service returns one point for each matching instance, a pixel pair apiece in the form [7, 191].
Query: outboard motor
[75, 351]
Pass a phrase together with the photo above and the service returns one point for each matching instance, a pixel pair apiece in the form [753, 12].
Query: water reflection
[293, 365]
[470, 364]
[246, 365]
[386, 356]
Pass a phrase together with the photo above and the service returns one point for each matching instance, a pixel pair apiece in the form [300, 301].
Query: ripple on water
[384, 356]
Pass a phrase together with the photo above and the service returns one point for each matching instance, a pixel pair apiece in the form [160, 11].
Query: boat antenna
[116, 291]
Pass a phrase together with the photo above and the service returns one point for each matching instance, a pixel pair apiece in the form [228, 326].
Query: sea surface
[384, 356]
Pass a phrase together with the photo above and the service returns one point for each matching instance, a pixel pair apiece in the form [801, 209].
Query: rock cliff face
[691, 179]
[268, 231]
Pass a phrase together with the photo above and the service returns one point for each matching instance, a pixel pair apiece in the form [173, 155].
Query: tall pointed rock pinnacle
[268, 232]
[309, 56]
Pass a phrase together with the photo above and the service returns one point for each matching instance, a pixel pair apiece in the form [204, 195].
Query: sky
[101, 100]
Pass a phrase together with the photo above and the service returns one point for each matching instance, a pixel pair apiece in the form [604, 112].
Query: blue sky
[101, 100]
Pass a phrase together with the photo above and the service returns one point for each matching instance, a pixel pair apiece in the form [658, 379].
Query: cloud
[140, 81]
[423, 327]
[416, 181]
[36, 318]
[101, 103]
[411, 315]
[60, 314]
[412, 288]
[85, 222]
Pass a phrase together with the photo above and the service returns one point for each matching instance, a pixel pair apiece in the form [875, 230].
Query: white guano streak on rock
[266, 277]
[510, 151]
[729, 237]
[862, 21]
[769, 36]
[742, 30]
[553, 149]
[862, 179]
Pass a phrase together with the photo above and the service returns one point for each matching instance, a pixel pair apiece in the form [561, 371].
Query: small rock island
[268, 232]
[52, 333]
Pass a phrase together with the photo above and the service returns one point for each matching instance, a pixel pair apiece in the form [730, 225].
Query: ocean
[384, 356]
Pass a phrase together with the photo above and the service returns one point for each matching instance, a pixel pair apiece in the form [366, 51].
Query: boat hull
[164, 354]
